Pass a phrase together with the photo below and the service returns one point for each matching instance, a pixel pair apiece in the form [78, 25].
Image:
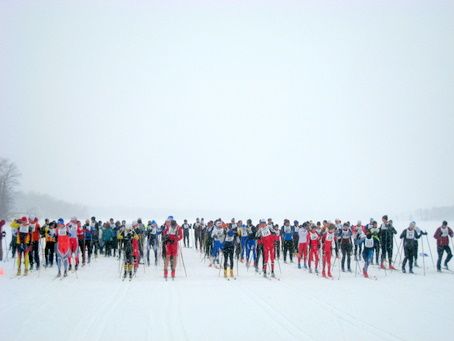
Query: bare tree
[9, 180]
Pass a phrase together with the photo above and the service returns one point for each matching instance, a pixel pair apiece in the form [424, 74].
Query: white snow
[97, 305]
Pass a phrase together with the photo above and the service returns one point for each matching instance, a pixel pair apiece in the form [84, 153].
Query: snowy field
[97, 305]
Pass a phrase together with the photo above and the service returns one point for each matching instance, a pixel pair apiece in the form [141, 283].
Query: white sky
[299, 108]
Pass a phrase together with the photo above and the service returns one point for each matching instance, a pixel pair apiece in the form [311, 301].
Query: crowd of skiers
[311, 245]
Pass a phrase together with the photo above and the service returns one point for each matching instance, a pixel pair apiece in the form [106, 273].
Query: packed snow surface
[97, 305]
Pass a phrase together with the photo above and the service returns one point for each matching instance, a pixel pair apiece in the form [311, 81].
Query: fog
[306, 109]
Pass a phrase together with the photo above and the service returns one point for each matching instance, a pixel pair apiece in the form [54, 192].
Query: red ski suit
[327, 242]
[171, 236]
[314, 244]
[268, 239]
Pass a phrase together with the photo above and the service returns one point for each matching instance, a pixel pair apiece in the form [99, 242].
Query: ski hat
[262, 221]
[218, 223]
[60, 221]
[73, 218]
[169, 218]
[24, 220]
[295, 222]
[445, 223]
[173, 223]
[413, 224]
[2, 222]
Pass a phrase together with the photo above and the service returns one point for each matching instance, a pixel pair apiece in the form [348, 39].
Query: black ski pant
[440, 250]
[186, 238]
[228, 256]
[387, 249]
[33, 255]
[346, 249]
[409, 252]
[288, 246]
[82, 248]
[259, 253]
[49, 251]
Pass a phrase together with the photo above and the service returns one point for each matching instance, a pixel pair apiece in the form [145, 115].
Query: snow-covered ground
[97, 305]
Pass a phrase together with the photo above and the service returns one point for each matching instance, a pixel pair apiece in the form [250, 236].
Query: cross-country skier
[386, 233]
[217, 236]
[230, 233]
[373, 228]
[50, 238]
[303, 244]
[267, 236]
[171, 236]
[409, 237]
[127, 236]
[287, 237]
[328, 240]
[186, 228]
[63, 247]
[357, 230]
[251, 243]
[242, 232]
[153, 233]
[197, 234]
[314, 246]
[73, 242]
[35, 239]
[345, 241]
[368, 252]
[442, 235]
[23, 239]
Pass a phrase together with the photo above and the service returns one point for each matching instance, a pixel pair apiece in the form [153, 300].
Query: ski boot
[130, 274]
[76, 267]
[349, 270]
[25, 272]
[323, 274]
[299, 265]
[382, 266]
[446, 267]
[124, 275]
[411, 271]
[416, 264]
[59, 274]
[403, 270]
[329, 274]
[273, 275]
[305, 266]
[226, 273]
[391, 267]
[70, 267]
[18, 272]
[65, 274]
[310, 270]
[316, 271]
[264, 274]
[365, 274]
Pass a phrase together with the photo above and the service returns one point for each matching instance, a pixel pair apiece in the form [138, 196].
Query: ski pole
[423, 256]
[398, 251]
[182, 262]
[221, 257]
[430, 250]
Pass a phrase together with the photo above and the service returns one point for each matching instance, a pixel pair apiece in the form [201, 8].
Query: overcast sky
[299, 108]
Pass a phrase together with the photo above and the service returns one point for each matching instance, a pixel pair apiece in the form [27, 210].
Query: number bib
[23, 229]
[410, 234]
[330, 237]
[266, 232]
[313, 236]
[369, 243]
[444, 232]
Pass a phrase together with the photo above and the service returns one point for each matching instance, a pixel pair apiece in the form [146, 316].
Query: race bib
[444, 232]
[369, 243]
[287, 229]
[330, 237]
[410, 234]
[23, 229]
[313, 236]
[266, 232]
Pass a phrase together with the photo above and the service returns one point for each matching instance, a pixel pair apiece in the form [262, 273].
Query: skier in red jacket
[268, 236]
[314, 245]
[327, 241]
[171, 236]
[442, 235]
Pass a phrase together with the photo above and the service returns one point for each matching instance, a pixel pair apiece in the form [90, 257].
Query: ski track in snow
[301, 306]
